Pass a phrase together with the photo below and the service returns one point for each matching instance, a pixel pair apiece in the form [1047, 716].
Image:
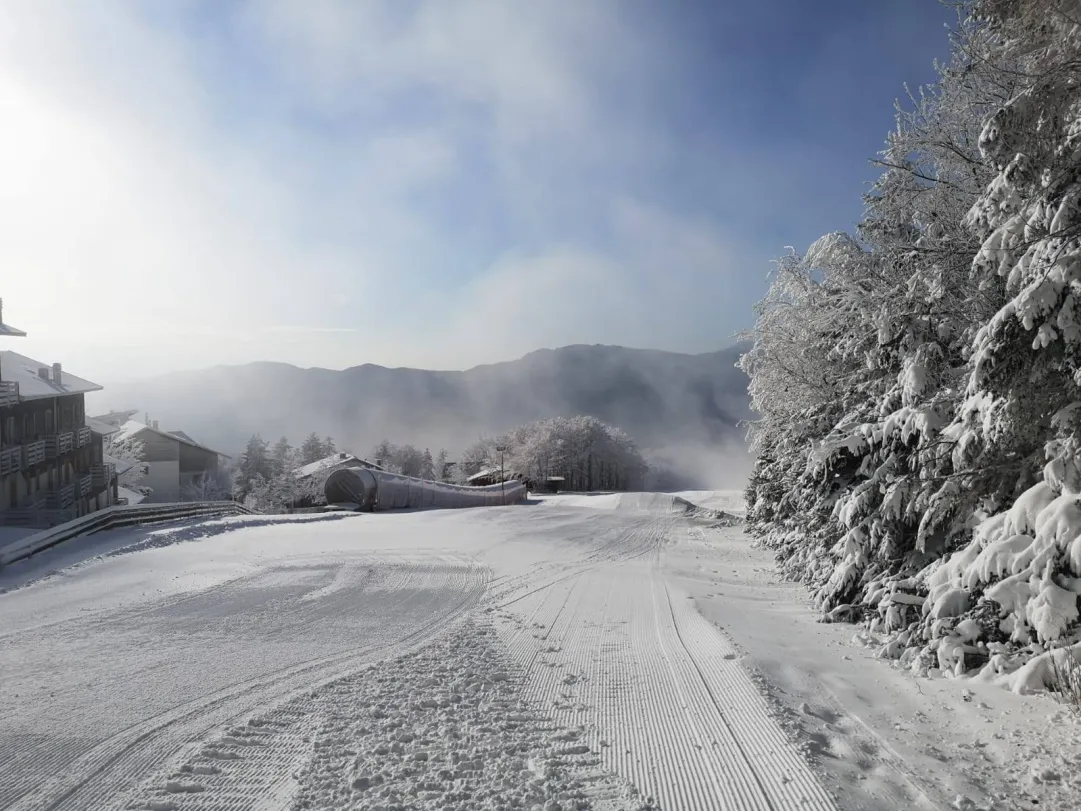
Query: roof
[132, 496]
[24, 371]
[121, 466]
[334, 460]
[99, 427]
[116, 418]
[492, 472]
[132, 428]
[9, 331]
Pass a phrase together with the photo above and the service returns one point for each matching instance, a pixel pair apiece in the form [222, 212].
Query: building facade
[177, 467]
[52, 466]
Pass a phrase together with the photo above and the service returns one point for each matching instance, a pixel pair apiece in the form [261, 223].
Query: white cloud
[160, 212]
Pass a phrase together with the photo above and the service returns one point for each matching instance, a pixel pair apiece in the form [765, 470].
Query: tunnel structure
[373, 490]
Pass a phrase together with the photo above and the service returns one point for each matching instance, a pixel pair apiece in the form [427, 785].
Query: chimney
[1, 311]
[43, 372]
[58, 375]
[154, 425]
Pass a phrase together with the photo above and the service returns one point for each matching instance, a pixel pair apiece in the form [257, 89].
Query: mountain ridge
[669, 402]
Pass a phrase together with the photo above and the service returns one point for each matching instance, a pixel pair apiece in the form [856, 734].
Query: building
[490, 476]
[555, 484]
[324, 466]
[52, 468]
[177, 467]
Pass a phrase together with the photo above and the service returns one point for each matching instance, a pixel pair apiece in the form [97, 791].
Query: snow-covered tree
[404, 459]
[255, 464]
[476, 458]
[442, 467]
[427, 470]
[282, 456]
[212, 486]
[381, 453]
[588, 453]
[131, 451]
[924, 372]
[312, 449]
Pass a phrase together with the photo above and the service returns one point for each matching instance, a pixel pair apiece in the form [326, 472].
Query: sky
[426, 183]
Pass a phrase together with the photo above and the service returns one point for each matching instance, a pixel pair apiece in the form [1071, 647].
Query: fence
[113, 518]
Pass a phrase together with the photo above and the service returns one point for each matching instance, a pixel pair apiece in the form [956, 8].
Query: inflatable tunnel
[374, 490]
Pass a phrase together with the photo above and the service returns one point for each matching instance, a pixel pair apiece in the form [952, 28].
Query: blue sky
[433, 183]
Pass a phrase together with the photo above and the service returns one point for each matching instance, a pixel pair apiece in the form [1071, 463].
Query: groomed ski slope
[541, 656]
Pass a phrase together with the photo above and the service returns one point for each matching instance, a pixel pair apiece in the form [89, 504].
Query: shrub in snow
[919, 383]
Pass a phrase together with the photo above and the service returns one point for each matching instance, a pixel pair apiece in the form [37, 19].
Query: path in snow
[91, 706]
[497, 658]
[667, 706]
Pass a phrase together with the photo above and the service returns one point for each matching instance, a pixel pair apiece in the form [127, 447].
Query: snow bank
[677, 503]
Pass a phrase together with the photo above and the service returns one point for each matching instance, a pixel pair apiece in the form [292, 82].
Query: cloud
[332, 182]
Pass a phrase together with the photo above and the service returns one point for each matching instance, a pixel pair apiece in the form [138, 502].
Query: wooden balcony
[61, 498]
[11, 460]
[59, 444]
[86, 486]
[34, 452]
[102, 476]
[82, 437]
[9, 393]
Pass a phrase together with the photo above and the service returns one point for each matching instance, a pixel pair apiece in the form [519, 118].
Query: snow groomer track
[511, 657]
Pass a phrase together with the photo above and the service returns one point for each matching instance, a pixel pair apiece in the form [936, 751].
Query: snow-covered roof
[99, 427]
[9, 331]
[131, 428]
[24, 371]
[334, 460]
[487, 474]
[133, 496]
[121, 466]
[115, 418]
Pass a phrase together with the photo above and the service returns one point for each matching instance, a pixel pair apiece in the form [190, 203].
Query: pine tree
[442, 467]
[255, 465]
[312, 450]
[281, 456]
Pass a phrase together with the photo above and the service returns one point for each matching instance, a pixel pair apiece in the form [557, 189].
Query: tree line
[586, 452]
[920, 377]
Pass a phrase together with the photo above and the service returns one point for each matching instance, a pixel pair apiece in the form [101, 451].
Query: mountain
[671, 403]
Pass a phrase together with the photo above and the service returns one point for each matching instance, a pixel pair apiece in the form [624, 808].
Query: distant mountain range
[674, 404]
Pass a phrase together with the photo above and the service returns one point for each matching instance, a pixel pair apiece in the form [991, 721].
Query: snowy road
[534, 656]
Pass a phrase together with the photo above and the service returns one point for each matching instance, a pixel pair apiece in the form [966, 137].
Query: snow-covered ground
[577, 652]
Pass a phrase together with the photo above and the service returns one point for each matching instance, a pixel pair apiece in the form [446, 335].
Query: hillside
[678, 403]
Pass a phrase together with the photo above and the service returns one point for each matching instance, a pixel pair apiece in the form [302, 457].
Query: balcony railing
[9, 393]
[82, 437]
[59, 444]
[11, 460]
[34, 452]
[102, 475]
[86, 485]
[60, 498]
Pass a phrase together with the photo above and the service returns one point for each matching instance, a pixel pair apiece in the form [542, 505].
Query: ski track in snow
[667, 705]
[524, 657]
